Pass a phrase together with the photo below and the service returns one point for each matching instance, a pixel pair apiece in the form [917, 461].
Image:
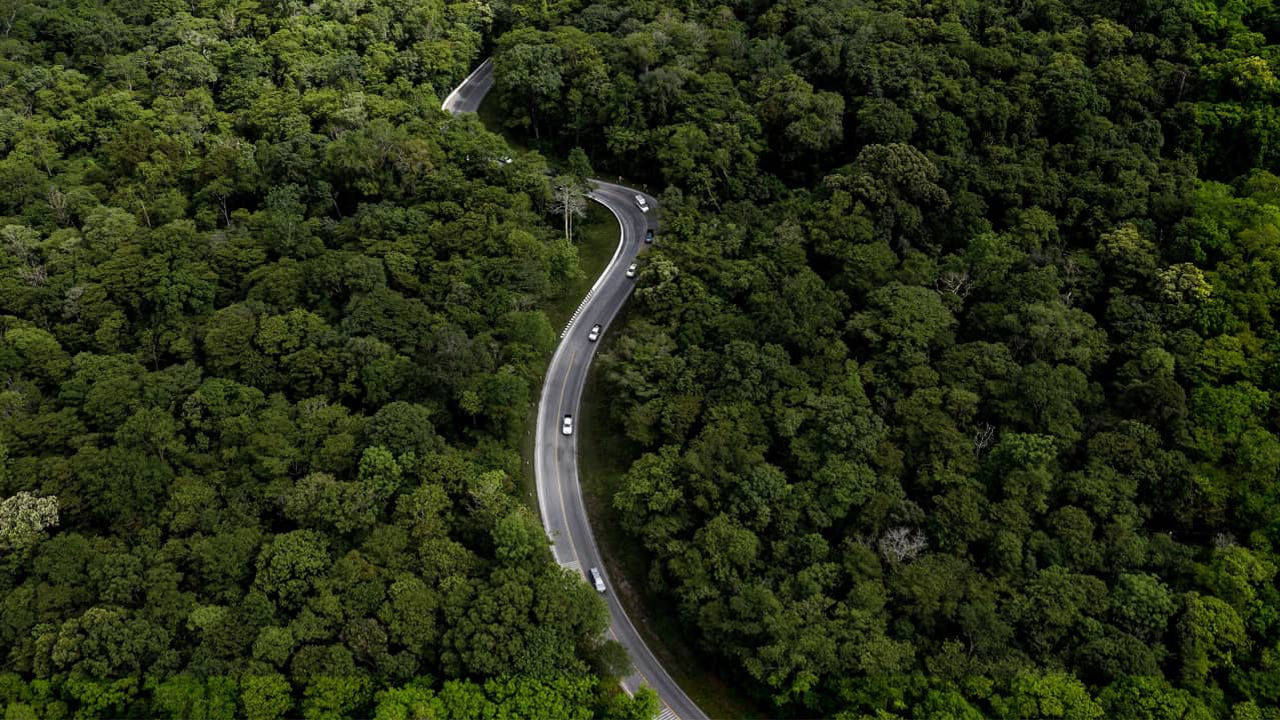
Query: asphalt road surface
[468, 96]
[564, 515]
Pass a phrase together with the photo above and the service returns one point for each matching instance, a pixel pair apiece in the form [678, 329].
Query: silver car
[597, 579]
[642, 204]
[594, 335]
[631, 270]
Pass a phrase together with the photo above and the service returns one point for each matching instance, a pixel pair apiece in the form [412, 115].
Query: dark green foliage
[955, 369]
[265, 696]
[268, 330]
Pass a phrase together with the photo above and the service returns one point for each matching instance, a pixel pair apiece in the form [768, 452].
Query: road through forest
[564, 514]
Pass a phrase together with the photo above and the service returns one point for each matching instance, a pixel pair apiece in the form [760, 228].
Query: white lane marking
[668, 714]
[608, 269]
[568, 531]
[449, 100]
[571, 565]
[613, 633]
[539, 447]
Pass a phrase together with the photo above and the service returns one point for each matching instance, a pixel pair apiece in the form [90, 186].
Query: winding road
[468, 96]
[564, 515]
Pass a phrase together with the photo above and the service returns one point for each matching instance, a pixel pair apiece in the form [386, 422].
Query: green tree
[265, 697]
[288, 566]
[24, 517]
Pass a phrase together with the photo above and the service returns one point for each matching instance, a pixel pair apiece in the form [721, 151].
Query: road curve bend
[564, 514]
[468, 95]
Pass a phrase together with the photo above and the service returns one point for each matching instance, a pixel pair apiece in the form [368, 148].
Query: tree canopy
[951, 374]
[269, 321]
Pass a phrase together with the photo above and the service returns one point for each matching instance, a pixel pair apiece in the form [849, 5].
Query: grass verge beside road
[604, 454]
[596, 242]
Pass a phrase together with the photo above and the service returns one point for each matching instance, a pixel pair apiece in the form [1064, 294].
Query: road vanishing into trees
[468, 96]
[564, 514]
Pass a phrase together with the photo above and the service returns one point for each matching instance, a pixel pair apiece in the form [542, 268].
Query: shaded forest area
[956, 363]
[269, 323]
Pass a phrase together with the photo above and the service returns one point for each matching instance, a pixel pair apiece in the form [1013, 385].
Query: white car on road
[594, 335]
[640, 203]
[566, 427]
[597, 579]
[631, 270]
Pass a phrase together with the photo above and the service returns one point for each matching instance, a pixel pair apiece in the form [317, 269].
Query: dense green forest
[956, 366]
[269, 323]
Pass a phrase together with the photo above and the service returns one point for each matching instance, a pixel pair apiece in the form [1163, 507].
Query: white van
[597, 579]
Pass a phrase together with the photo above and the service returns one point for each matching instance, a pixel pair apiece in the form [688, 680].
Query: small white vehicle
[566, 427]
[597, 579]
[642, 204]
[631, 270]
[594, 335]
